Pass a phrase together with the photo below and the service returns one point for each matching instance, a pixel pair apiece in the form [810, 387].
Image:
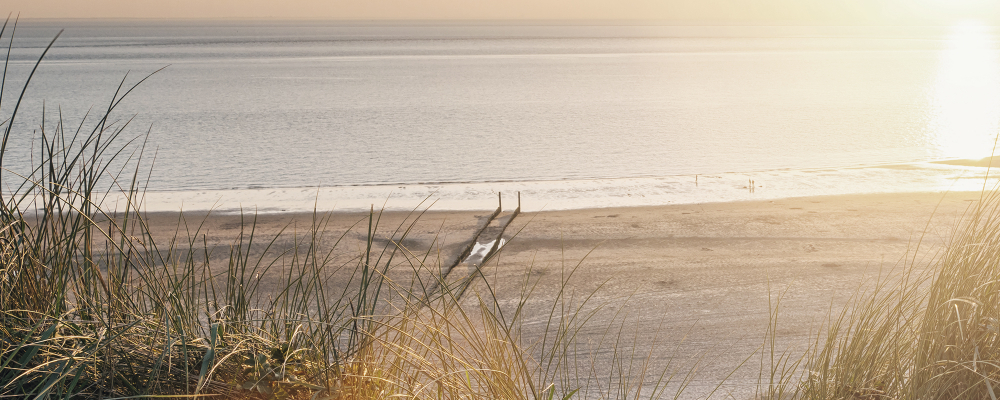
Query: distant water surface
[244, 109]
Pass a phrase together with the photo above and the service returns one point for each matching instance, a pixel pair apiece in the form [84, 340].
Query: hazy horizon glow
[889, 12]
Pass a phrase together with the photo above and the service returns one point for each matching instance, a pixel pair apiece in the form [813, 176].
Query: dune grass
[920, 331]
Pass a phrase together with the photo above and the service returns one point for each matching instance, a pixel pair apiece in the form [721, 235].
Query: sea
[284, 116]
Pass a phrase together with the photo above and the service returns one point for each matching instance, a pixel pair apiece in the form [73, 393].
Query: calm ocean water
[272, 115]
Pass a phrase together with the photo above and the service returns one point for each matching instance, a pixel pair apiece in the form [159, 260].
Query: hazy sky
[684, 11]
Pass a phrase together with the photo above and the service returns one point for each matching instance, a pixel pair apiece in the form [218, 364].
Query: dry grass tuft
[922, 333]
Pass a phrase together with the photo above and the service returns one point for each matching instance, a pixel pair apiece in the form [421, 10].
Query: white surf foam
[576, 194]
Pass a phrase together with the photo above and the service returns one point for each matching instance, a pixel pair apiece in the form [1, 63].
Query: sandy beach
[694, 278]
[697, 196]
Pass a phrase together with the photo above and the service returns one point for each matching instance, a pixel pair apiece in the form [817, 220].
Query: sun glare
[966, 97]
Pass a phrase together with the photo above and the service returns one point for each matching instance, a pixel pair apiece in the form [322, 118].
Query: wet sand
[700, 275]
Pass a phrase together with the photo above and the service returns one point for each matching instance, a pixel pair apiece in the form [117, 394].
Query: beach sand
[698, 279]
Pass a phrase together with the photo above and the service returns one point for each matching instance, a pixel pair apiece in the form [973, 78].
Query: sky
[881, 12]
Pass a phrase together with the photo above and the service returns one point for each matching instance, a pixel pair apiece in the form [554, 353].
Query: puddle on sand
[479, 251]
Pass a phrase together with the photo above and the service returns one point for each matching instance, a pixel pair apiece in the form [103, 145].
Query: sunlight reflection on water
[966, 98]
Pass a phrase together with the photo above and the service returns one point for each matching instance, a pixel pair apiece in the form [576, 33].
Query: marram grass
[916, 333]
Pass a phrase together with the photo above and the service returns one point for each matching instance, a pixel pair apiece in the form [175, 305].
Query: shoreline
[575, 194]
[508, 201]
[572, 194]
[509, 205]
